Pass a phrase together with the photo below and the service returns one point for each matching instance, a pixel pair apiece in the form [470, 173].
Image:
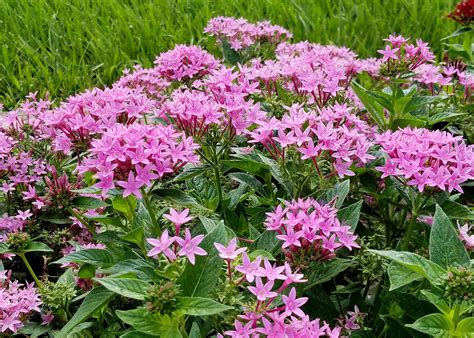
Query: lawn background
[63, 47]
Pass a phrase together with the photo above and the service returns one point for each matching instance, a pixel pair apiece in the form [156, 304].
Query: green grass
[62, 47]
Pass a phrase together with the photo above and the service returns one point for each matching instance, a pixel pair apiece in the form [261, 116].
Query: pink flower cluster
[84, 117]
[175, 246]
[135, 155]
[17, 302]
[146, 80]
[427, 158]
[241, 34]
[265, 284]
[335, 133]
[309, 229]
[185, 63]
[400, 51]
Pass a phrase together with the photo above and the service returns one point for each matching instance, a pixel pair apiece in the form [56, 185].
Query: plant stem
[148, 207]
[411, 225]
[30, 269]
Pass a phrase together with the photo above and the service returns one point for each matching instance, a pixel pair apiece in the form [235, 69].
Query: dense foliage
[281, 189]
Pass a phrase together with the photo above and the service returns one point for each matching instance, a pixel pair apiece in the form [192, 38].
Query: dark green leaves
[446, 249]
[199, 306]
[90, 256]
[94, 300]
[127, 287]
[83, 202]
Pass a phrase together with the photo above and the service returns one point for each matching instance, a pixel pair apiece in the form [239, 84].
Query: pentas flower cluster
[335, 133]
[184, 63]
[132, 157]
[241, 34]
[425, 158]
[463, 13]
[264, 284]
[17, 302]
[309, 229]
[194, 111]
[315, 72]
[144, 80]
[400, 56]
[175, 246]
[84, 117]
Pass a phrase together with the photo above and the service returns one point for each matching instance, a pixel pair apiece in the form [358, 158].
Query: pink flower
[162, 246]
[250, 269]
[293, 304]
[131, 186]
[263, 291]
[465, 237]
[189, 246]
[389, 53]
[272, 272]
[230, 252]
[178, 218]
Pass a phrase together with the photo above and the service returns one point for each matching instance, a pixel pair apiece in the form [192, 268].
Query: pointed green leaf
[434, 324]
[127, 287]
[199, 306]
[446, 249]
[400, 275]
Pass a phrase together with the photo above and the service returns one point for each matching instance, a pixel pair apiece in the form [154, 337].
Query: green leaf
[465, 328]
[249, 180]
[83, 202]
[126, 206]
[178, 197]
[90, 256]
[458, 32]
[127, 287]
[262, 253]
[437, 301]
[434, 324]
[94, 300]
[146, 322]
[138, 334]
[86, 271]
[444, 116]
[456, 210]
[446, 249]
[67, 277]
[277, 173]
[136, 236]
[414, 262]
[199, 306]
[339, 191]
[191, 172]
[195, 331]
[37, 247]
[372, 106]
[400, 275]
[321, 272]
[200, 279]
[407, 121]
[350, 214]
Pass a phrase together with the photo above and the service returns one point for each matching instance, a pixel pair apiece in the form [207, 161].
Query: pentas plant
[133, 157]
[240, 33]
[333, 134]
[427, 158]
[17, 303]
[258, 192]
[310, 231]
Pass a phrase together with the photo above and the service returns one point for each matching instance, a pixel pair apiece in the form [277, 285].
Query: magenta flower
[263, 291]
[389, 53]
[250, 269]
[178, 218]
[189, 246]
[230, 252]
[162, 246]
[272, 272]
[293, 304]
[131, 186]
